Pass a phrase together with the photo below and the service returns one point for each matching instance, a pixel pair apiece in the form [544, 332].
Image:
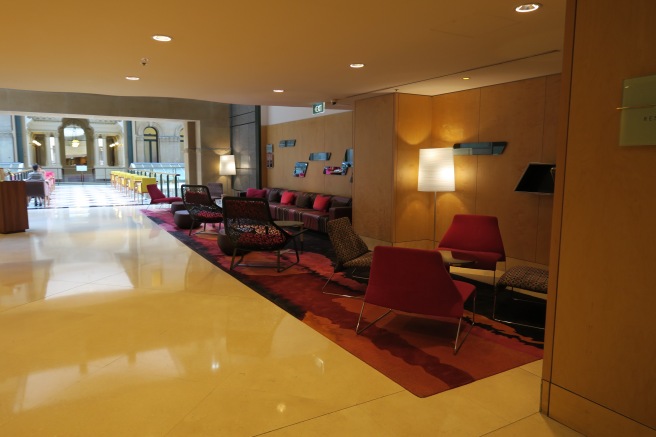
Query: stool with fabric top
[528, 278]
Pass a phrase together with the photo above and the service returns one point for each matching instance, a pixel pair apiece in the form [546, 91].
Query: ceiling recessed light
[278, 91]
[529, 7]
[131, 77]
[162, 38]
[356, 65]
[466, 78]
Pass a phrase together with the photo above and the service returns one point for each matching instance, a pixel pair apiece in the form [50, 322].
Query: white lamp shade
[227, 165]
[436, 170]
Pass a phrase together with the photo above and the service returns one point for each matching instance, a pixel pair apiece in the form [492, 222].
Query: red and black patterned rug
[417, 353]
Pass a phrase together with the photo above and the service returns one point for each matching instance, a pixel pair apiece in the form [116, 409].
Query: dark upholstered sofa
[313, 209]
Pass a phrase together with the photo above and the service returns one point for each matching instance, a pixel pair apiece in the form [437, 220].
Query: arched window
[151, 145]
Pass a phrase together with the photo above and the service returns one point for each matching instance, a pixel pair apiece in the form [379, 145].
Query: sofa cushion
[288, 198]
[274, 196]
[321, 203]
[303, 200]
[337, 202]
[254, 192]
[316, 220]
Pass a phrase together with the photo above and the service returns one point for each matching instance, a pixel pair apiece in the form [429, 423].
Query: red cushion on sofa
[321, 203]
[254, 192]
[288, 198]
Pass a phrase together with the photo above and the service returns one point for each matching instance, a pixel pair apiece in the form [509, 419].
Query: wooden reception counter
[13, 207]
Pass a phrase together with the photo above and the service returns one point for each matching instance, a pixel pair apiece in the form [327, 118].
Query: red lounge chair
[157, 197]
[416, 281]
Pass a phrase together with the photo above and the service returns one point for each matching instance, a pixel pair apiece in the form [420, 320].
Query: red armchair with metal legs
[477, 238]
[416, 281]
[157, 197]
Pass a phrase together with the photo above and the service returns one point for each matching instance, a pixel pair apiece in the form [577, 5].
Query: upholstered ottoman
[224, 243]
[177, 206]
[527, 278]
[182, 219]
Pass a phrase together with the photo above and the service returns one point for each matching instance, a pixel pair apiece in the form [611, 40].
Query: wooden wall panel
[591, 419]
[339, 137]
[514, 113]
[331, 133]
[548, 154]
[603, 343]
[310, 139]
[523, 114]
[456, 120]
[374, 173]
[414, 209]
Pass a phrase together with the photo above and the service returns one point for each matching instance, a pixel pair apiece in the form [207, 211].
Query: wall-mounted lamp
[488, 148]
[436, 173]
[36, 143]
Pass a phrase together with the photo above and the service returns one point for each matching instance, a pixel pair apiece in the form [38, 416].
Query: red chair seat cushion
[482, 260]
[209, 215]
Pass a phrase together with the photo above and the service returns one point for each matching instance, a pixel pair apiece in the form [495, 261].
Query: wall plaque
[638, 120]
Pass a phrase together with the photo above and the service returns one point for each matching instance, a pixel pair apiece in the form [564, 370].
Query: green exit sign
[318, 108]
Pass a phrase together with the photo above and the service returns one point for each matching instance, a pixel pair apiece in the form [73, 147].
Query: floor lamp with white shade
[227, 167]
[436, 174]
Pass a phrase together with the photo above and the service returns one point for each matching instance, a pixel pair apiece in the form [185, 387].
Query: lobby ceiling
[239, 52]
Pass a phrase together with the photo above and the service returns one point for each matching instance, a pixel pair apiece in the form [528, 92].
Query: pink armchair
[157, 197]
[416, 281]
[476, 238]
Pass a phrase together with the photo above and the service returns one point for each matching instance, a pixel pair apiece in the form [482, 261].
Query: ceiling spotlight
[529, 7]
[356, 65]
[162, 38]
[131, 77]
[278, 91]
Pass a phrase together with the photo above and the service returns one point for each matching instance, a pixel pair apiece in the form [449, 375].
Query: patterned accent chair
[351, 252]
[249, 226]
[201, 207]
[416, 281]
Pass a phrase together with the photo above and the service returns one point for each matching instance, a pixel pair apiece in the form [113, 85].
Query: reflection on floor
[71, 195]
[111, 327]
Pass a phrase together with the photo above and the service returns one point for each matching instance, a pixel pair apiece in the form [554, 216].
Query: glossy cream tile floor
[111, 327]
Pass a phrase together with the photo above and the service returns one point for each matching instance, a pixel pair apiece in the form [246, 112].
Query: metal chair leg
[456, 346]
[360, 331]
